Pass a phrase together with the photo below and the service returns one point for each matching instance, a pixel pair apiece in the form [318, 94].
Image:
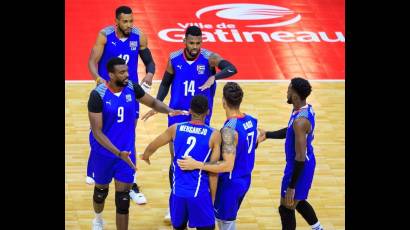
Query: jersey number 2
[191, 142]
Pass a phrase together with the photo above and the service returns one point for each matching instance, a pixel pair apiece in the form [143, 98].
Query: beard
[126, 34]
[119, 83]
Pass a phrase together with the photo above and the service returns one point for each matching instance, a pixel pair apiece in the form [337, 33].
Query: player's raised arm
[163, 88]
[95, 57]
[153, 103]
[278, 134]
[161, 140]
[226, 67]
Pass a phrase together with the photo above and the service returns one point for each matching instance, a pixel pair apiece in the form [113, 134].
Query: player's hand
[148, 115]
[189, 163]
[125, 155]
[262, 135]
[147, 79]
[145, 158]
[290, 194]
[208, 83]
[178, 112]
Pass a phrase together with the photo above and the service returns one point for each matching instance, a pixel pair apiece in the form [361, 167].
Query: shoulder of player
[301, 123]
[207, 53]
[101, 89]
[175, 54]
[136, 30]
[107, 30]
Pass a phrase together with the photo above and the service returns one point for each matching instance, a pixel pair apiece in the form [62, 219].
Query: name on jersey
[248, 125]
[133, 45]
[200, 69]
[195, 130]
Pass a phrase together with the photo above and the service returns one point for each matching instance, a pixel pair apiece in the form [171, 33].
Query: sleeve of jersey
[303, 113]
[139, 92]
[231, 124]
[95, 102]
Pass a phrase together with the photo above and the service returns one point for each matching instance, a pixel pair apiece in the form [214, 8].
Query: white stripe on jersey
[199, 179]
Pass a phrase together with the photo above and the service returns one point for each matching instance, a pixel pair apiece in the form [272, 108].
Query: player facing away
[193, 192]
[239, 139]
[191, 71]
[125, 41]
[300, 157]
[111, 111]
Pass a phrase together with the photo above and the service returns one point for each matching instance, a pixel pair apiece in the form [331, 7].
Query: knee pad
[100, 194]
[288, 218]
[122, 202]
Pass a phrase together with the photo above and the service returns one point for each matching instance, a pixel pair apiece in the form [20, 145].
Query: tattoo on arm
[228, 141]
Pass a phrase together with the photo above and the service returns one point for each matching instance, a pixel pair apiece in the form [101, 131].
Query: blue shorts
[197, 211]
[229, 196]
[102, 168]
[184, 118]
[304, 182]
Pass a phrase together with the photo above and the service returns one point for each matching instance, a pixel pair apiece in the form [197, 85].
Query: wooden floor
[267, 102]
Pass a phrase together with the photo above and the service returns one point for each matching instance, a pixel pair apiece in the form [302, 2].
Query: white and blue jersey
[306, 177]
[190, 199]
[188, 77]
[127, 50]
[118, 117]
[233, 186]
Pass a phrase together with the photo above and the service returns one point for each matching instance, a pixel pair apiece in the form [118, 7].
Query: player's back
[246, 127]
[191, 139]
[125, 49]
[308, 113]
[188, 77]
[118, 115]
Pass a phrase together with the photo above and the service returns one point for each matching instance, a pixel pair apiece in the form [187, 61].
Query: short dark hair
[113, 62]
[193, 30]
[122, 10]
[233, 94]
[302, 87]
[199, 104]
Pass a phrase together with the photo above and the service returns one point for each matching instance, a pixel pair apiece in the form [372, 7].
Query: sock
[98, 216]
[226, 225]
[317, 226]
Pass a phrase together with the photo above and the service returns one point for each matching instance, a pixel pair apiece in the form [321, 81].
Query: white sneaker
[98, 224]
[89, 180]
[167, 217]
[138, 198]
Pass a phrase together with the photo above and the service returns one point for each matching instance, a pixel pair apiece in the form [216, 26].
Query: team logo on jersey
[128, 97]
[133, 45]
[200, 69]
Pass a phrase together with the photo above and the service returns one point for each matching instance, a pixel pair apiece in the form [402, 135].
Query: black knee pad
[122, 202]
[287, 217]
[183, 227]
[100, 194]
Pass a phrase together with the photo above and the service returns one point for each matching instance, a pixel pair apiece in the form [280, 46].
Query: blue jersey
[191, 140]
[188, 77]
[308, 113]
[118, 112]
[246, 127]
[127, 50]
